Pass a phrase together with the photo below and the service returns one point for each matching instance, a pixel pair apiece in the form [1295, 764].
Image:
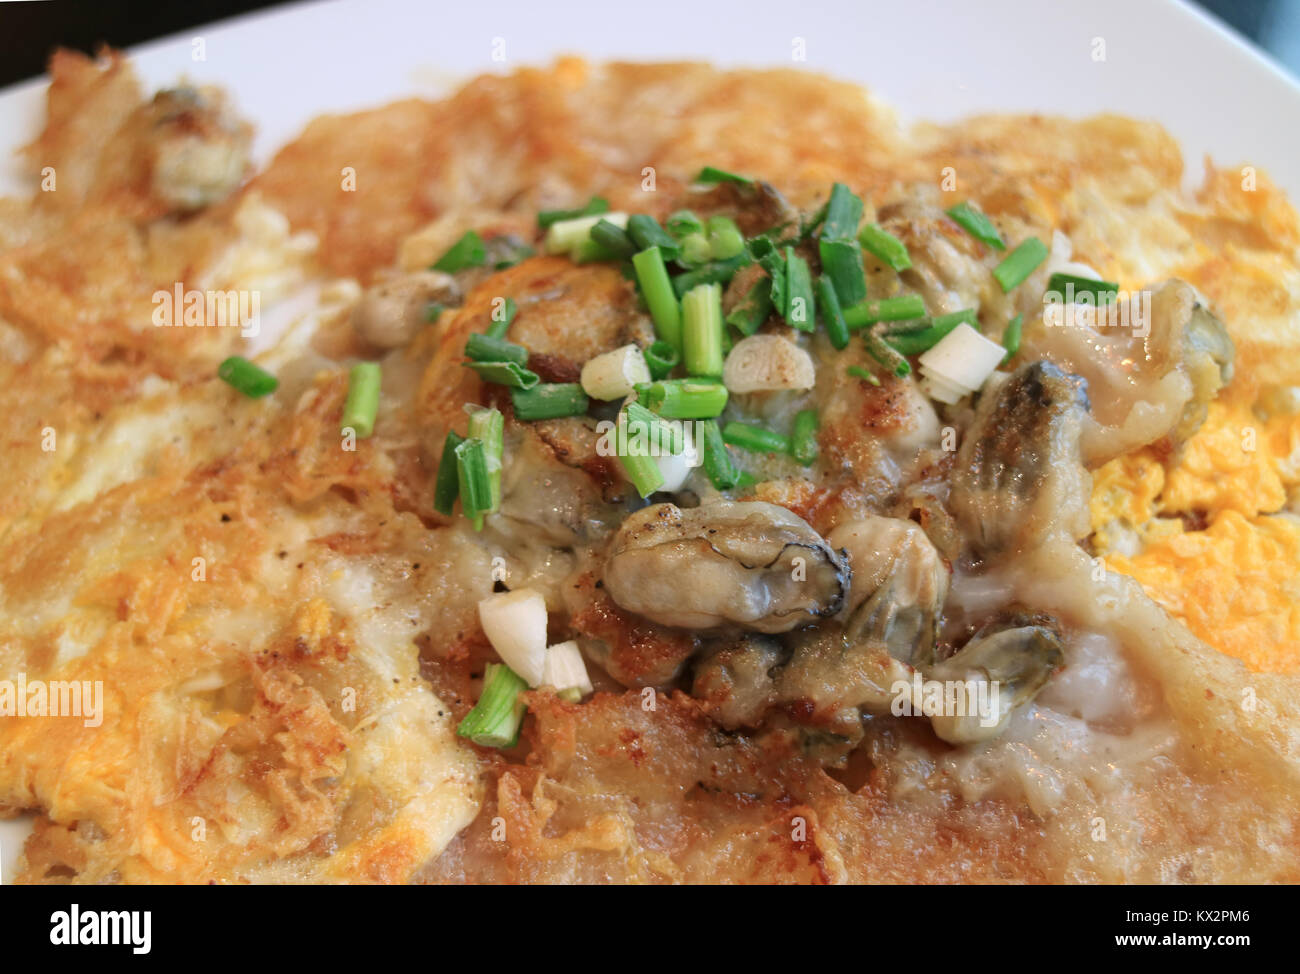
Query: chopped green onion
[829, 306]
[858, 372]
[652, 275]
[725, 238]
[842, 263]
[571, 236]
[488, 427]
[843, 214]
[252, 380]
[803, 437]
[496, 718]
[472, 475]
[714, 272]
[363, 399]
[434, 311]
[920, 340]
[684, 398]
[662, 358]
[753, 309]
[887, 248]
[1020, 263]
[646, 232]
[613, 238]
[746, 480]
[1102, 291]
[801, 308]
[500, 325]
[1011, 337]
[643, 436]
[971, 219]
[485, 348]
[754, 438]
[594, 206]
[899, 308]
[468, 251]
[446, 487]
[887, 355]
[683, 223]
[718, 465]
[508, 253]
[711, 174]
[702, 330]
[510, 374]
[695, 250]
[550, 400]
[591, 252]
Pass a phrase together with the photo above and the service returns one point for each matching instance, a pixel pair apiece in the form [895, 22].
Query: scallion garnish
[695, 251]
[646, 232]
[659, 295]
[613, 238]
[592, 252]
[899, 308]
[472, 477]
[446, 487]
[753, 309]
[574, 236]
[501, 320]
[843, 214]
[918, 340]
[683, 223]
[800, 306]
[725, 238]
[714, 272]
[718, 465]
[971, 219]
[488, 427]
[661, 358]
[842, 263]
[496, 718]
[803, 437]
[1020, 263]
[643, 436]
[858, 372]
[1102, 291]
[252, 380]
[549, 400]
[756, 439]
[887, 248]
[702, 330]
[829, 306]
[468, 251]
[1011, 337]
[594, 206]
[684, 398]
[510, 374]
[485, 348]
[712, 174]
[362, 404]
[886, 354]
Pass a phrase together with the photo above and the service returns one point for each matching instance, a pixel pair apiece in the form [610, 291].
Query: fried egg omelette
[286, 619]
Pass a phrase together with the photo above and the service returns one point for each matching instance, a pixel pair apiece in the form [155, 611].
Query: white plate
[932, 60]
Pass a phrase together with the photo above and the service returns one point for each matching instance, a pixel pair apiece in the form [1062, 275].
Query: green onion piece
[363, 399]
[502, 318]
[808, 225]
[510, 374]
[1011, 337]
[714, 272]
[485, 348]
[683, 223]
[591, 252]
[684, 398]
[800, 307]
[488, 427]
[695, 250]
[754, 438]
[718, 465]
[652, 275]
[1103, 292]
[971, 219]
[702, 330]
[434, 311]
[1020, 263]
[887, 248]
[858, 372]
[916, 341]
[646, 232]
[753, 309]
[746, 480]
[657, 435]
[446, 487]
[725, 238]
[886, 354]
[507, 250]
[829, 306]
[252, 380]
[472, 476]
[661, 358]
[803, 437]
[900, 308]
[594, 206]
[613, 238]
[711, 174]
[842, 263]
[550, 400]
[496, 718]
[468, 251]
[843, 214]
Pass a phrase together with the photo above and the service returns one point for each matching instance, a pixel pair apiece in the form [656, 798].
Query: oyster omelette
[675, 476]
